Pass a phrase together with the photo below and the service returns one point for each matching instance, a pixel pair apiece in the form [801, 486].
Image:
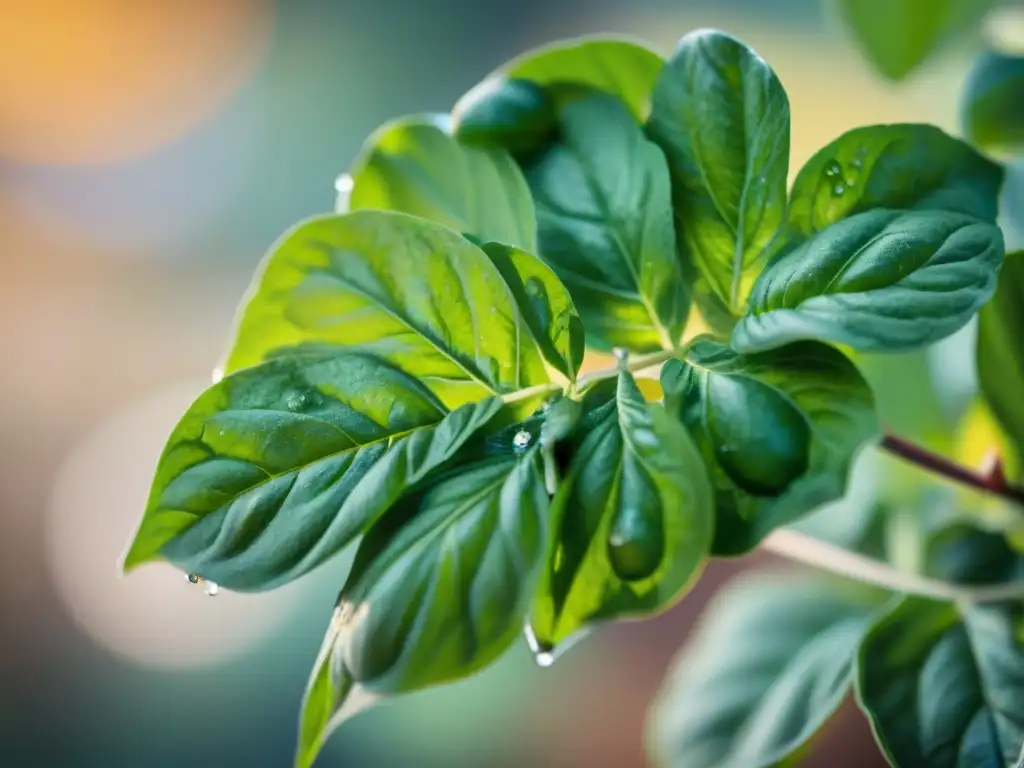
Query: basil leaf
[276, 468]
[722, 118]
[604, 212]
[414, 165]
[879, 280]
[765, 671]
[892, 166]
[632, 519]
[992, 103]
[1000, 351]
[896, 36]
[413, 293]
[943, 684]
[438, 591]
[778, 431]
[513, 115]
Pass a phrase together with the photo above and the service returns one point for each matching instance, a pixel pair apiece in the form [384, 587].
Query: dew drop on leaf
[542, 655]
[832, 168]
[211, 588]
[522, 439]
[295, 400]
[838, 190]
[192, 578]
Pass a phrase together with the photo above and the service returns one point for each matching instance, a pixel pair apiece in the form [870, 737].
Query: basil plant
[405, 379]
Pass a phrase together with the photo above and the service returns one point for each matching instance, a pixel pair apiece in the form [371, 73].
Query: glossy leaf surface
[992, 103]
[604, 212]
[879, 280]
[778, 431]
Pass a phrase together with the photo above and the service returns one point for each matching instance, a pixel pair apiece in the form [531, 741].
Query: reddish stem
[993, 481]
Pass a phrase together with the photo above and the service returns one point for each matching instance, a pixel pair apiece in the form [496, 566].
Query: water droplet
[295, 400]
[850, 182]
[544, 659]
[857, 163]
[838, 190]
[522, 439]
[344, 183]
[211, 588]
[221, 433]
[542, 655]
[192, 578]
[218, 374]
[620, 354]
[535, 287]
[832, 168]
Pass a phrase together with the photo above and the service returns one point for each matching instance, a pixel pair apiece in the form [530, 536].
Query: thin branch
[992, 481]
[828, 557]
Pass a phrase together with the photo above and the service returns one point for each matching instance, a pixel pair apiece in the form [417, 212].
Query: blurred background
[150, 152]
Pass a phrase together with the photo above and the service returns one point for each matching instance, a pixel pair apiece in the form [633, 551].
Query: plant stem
[992, 481]
[828, 557]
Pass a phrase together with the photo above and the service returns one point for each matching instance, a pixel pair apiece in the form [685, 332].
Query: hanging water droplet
[544, 659]
[838, 190]
[211, 588]
[832, 168]
[542, 655]
[192, 578]
[218, 374]
[620, 354]
[522, 439]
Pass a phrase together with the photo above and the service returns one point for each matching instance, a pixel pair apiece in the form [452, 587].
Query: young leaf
[778, 431]
[771, 662]
[992, 104]
[437, 592]
[903, 167]
[896, 36]
[1000, 351]
[417, 295]
[276, 468]
[414, 165]
[879, 280]
[943, 684]
[604, 211]
[619, 66]
[632, 520]
[722, 118]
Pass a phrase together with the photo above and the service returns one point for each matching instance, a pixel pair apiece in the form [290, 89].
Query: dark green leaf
[879, 280]
[415, 294]
[905, 167]
[620, 66]
[604, 212]
[778, 431]
[560, 420]
[1001, 350]
[722, 117]
[898, 35]
[437, 592]
[771, 662]
[414, 165]
[514, 115]
[632, 520]
[276, 468]
[943, 684]
[992, 103]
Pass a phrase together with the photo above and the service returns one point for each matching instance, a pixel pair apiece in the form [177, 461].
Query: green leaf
[992, 103]
[277, 468]
[879, 280]
[604, 212]
[906, 167]
[414, 165]
[415, 294]
[632, 519]
[770, 663]
[944, 685]
[896, 36]
[722, 117]
[1000, 351]
[513, 115]
[439, 590]
[778, 431]
[618, 65]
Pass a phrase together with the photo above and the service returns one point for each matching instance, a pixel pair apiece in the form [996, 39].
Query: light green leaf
[439, 590]
[777, 430]
[1000, 351]
[943, 685]
[632, 520]
[722, 118]
[992, 103]
[277, 468]
[896, 36]
[771, 662]
[904, 167]
[879, 280]
[604, 212]
[414, 165]
[617, 65]
[413, 293]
